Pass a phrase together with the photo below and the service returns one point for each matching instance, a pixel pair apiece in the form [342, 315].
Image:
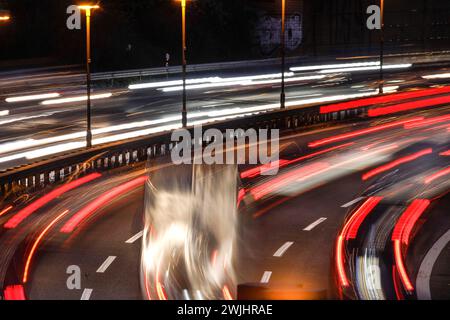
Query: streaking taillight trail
[254, 172]
[36, 244]
[396, 163]
[401, 235]
[14, 292]
[437, 175]
[427, 122]
[362, 132]
[299, 174]
[39, 203]
[350, 231]
[84, 213]
[407, 106]
[5, 210]
[384, 99]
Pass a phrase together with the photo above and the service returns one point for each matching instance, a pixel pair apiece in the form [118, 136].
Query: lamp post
[88, 9]
[283, 53]
[184, 62]
[381, 89]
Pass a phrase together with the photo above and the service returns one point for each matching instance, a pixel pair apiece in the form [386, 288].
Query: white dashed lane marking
[106, 264]
[314, 224]
[283, 249]
[135, 237]
[86, 294]
[352, 202]
[266, 276]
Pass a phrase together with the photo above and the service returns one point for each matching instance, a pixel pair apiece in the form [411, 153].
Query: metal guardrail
[190, 68]
[416, 58]
[150, 72]
[30, 178]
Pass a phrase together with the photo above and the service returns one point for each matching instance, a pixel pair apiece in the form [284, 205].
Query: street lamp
[88, 8]
[381, 47]
[183, 49]
[283, 53]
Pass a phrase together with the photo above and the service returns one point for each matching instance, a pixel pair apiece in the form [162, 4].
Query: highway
[357, 211]
[37, 123]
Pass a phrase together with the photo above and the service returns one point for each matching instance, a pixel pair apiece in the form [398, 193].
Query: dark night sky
[218, 30]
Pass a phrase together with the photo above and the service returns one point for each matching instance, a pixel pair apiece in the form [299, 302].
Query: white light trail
[208, 85]
[205, 82]
[161, 84]
[77, 99]
[437, 76]
[33, 97]
[357, 69]
[134, 134]
[54, 150]
[134, 125]
[335, 66]
[316, 77]
[42, 115]
[44, 151]
[29, 143]
[240, 82]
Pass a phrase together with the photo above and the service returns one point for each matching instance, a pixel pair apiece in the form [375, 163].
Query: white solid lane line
[314, 224]
[86, 294]
[426, 267]
[266, 276]
[135, 237]
[352, 202]
[106, 264]
[283, 249]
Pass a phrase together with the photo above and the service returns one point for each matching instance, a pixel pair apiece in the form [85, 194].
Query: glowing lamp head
[4, 16]
[183, 2]
[88, 7]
